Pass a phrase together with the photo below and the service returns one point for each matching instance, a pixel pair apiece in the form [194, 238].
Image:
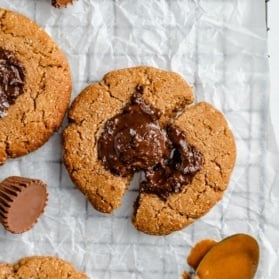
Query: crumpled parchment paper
[220, 48]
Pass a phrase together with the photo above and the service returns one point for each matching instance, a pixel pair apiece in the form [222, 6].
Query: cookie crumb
[61, 3]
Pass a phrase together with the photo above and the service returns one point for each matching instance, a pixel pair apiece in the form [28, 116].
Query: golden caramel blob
[234, 257]
[199, 251]
[186, 275]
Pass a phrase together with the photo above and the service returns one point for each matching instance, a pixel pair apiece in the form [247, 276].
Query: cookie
[61, 3]
[207, 129]
[22, 201]
[89, 112]
[39, 267]
[142, 120]
[35, 86]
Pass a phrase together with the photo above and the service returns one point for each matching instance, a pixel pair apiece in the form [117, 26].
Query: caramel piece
[199, 251]
[186, 275]
[61, 3]
[234, 257]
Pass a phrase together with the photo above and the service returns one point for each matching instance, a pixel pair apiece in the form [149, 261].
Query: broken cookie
[139, 120]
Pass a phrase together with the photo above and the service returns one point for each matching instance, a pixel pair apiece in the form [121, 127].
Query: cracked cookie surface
[89, 112]
[207, 129]
[40, 267]
[204, 127]
[40, 109]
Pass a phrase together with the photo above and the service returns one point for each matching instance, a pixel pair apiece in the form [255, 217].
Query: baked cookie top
[35, 85]
[206, 129]
[97, 103]
[143, 119]
[40, 267]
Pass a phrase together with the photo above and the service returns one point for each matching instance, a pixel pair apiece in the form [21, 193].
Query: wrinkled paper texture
[220, 48]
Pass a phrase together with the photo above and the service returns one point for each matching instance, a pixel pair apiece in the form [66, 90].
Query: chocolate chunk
[22, 201]
[186, 158]
[12, 79]
[133, 141]
[176, 171]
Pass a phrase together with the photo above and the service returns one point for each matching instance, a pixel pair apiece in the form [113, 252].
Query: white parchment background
[220, 47]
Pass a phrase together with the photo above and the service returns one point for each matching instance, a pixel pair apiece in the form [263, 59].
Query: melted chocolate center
[176, 171]
[11, 80]
[133, 141]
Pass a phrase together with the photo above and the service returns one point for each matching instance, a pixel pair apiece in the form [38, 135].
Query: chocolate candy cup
[22, 201]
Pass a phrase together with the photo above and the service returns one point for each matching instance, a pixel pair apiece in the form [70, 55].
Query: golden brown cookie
[205, 128]
[97, 103]
[179, 187]
[35, 85]
[40, 267]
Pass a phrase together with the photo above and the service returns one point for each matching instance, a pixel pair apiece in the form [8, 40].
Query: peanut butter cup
[22, 201]
[12, 76]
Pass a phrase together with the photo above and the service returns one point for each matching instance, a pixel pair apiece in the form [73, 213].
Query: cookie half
[61, 3]
[207, 129]
[40, 267]
[35, 85]
[166, 91]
